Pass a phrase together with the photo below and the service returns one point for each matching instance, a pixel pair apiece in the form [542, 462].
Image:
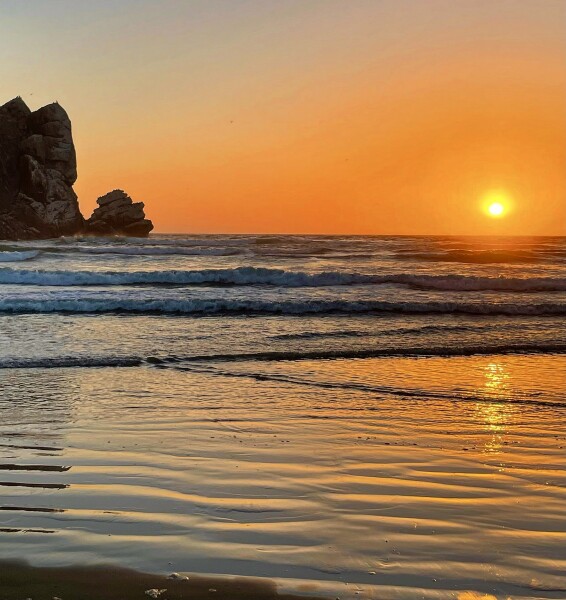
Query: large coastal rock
[38, 167]
[117, 214]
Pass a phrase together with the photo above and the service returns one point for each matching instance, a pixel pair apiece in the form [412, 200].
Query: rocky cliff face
[38, 168]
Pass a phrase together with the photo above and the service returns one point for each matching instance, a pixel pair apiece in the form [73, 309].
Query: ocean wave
[405, 393]
[223, 306]
[315, 335]
[472, 283]
[481, 256]
[242, 276]
[60, 362]
[128, 250]
[354, 353]
[398, 331]
[176, 361]
[163, 250]
[271, 240]
[210, 365]
[17, 255]
[221, 241]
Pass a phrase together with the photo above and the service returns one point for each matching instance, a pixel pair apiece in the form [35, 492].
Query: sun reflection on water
[497, 380]
[495, 415]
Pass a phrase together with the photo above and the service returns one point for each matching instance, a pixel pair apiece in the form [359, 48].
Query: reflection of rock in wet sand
[36, 416]
[34, 420]
[19, 580]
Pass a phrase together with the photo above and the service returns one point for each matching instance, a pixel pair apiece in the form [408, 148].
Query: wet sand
[18, 581]
[375, 478]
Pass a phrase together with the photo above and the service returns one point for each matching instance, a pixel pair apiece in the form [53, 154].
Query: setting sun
[496, 204]
[496, 209]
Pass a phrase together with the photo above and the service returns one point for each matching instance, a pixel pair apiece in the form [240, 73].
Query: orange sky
[308, 116]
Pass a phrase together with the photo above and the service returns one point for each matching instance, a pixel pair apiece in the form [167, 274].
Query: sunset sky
[306, 116]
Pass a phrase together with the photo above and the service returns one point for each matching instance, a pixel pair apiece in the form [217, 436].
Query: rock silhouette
[118, 214]
[38, 168]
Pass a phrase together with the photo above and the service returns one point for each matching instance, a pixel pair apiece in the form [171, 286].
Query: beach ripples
[262, 477]
[355, 417]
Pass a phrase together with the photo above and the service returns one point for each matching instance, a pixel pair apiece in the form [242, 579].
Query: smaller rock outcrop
[117, 214]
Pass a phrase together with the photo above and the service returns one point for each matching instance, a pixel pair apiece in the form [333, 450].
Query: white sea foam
[18, 256]
[243, 276]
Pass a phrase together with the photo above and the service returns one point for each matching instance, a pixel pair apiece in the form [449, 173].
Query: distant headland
[38, 168]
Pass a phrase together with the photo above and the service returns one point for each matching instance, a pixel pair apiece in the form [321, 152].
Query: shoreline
[21, 580]
[281, 456]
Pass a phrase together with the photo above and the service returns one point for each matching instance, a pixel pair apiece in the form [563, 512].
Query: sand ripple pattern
[259, 476]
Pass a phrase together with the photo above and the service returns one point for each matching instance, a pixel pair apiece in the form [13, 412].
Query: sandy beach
[351, 488]
[44, 583]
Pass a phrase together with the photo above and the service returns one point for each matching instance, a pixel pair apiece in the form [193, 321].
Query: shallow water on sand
[366, 438]
[176, 469]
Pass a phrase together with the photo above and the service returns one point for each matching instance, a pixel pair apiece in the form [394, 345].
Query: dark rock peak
[17, 109]
[118, 214]
[38, 167]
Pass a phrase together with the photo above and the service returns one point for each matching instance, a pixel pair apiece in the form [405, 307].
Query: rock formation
[38, 168]
[118, 214]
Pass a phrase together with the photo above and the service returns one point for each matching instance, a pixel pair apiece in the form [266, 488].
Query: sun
[496, 204]
[496, 209]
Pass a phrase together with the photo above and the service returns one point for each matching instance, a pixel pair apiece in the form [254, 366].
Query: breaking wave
[223, 306]
[242, 276]
[18, 256]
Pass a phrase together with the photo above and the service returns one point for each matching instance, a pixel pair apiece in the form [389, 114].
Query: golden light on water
[496, 381]
[494, 414]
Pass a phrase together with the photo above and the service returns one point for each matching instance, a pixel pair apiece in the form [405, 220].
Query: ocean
[377, 417]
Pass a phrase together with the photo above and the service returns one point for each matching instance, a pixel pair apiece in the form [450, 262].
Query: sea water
[378, 415]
